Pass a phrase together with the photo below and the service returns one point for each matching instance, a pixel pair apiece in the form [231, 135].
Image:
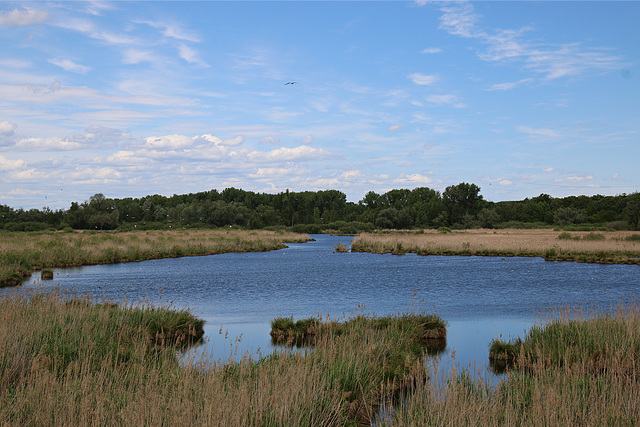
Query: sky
[160, 97]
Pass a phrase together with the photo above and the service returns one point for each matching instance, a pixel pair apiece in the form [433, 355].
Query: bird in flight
[291, 83]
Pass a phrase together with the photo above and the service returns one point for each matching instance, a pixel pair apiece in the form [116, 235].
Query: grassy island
[619, 247]
[24, 252]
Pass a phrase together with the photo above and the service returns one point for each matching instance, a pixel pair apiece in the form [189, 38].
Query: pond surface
[239, 294]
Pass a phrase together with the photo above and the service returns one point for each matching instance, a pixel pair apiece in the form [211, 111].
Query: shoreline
[582, 247]
[21, 254]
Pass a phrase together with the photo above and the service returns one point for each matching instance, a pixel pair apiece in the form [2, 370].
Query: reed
[21, 253]
[575, 369]
[69, 360]
[605, 247]
[341, 248]
[73, 361]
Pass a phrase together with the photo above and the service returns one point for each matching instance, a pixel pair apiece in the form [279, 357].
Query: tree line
[458, 206]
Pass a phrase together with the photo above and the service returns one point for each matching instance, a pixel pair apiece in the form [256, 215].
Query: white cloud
[11, 164]
[460, 19]
[552, 60]
[48, 144]
[168, 141]
[206, 139]
[14, 63]
[173, 31]
[431, 50]
[23, 17]
[550, 133]
[270, 140]
[548, 170]
[232, 142]
[89, 29]
[505, 183]
[7, 128]
[27, 175]
[284, 154]
[575, 179]
[70, 66]
[415, 179]
[136, 56]
[422, 79]
[121, 157]
[266, 173]
[191, 56]
[442, 99]
[351, 174]
[508, 85]
[395, 127]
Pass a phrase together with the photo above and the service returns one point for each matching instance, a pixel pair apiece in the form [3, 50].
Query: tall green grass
[576, 369]
[71, 361]
[67, 360]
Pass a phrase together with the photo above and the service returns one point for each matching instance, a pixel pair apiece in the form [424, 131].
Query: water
[239, 294]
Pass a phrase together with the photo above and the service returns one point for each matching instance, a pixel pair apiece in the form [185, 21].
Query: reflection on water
[481, 298]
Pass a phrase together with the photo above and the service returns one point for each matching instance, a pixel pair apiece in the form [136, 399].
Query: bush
[565, 236]
[594, 237]
[444, 230]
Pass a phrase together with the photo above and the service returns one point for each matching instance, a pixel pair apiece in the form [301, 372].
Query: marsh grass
[575, 369]
[21, 253]
[46, 274]
[341, 248]
[605, 247]
[69, 360]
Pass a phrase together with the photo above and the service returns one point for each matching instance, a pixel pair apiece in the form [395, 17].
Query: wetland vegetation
[24, 252]
[579, 367]
[70, 360]
[620, 247]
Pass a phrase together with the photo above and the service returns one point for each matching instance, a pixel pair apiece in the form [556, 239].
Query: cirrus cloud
[24, 17]
[422, 79]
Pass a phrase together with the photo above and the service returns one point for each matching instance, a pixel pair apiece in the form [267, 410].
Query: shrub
[594, 237]
[444, 230]
[341, 247]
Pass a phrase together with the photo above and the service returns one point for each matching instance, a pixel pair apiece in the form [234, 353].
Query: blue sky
[137, 98]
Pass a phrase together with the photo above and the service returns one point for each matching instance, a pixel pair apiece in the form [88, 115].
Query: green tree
[488, 217]
[462, 199]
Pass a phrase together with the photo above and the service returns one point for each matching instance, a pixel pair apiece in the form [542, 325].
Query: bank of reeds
[575, 369]
[24, 252]
[71, 361]
[604, 247]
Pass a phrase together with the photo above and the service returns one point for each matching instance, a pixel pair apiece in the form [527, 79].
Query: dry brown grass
[511, 242]
[21, 253]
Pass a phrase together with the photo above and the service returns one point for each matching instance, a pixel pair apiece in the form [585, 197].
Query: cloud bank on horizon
[130, 99]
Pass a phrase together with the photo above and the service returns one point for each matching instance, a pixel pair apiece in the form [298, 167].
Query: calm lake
[239, 294]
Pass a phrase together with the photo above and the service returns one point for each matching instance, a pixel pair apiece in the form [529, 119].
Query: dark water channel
[239, 294]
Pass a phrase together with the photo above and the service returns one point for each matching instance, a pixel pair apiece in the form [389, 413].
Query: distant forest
[457, 207]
